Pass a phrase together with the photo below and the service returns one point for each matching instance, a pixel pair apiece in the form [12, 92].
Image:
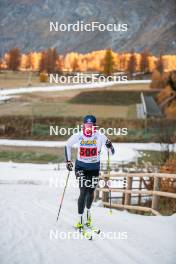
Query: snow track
[22, 90]
[28, 214]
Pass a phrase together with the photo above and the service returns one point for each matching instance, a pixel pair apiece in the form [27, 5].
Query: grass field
[56, 155]
[107, 102]
[118, 101]
[33, 154]
[154, 157]
[10, 79]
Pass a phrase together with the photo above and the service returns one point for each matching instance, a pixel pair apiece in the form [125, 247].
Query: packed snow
[29, 199]
[124, 151]
[22, 90]
[5, 98]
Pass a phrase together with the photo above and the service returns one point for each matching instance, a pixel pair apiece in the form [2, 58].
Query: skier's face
[89, 129]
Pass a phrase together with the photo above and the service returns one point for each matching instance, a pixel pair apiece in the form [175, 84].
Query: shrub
[43, 77]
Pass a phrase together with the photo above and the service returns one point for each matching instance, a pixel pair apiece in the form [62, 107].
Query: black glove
[108, 144]
[69, 165]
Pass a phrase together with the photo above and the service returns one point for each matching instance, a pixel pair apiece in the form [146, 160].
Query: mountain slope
[25, 24]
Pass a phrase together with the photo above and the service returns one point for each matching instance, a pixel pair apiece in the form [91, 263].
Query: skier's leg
[89, 200]
[90, 197]
[81, 206]
[81, 175]
[82, 200]
[94, 176]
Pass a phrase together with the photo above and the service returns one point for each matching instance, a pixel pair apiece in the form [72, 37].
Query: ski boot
[80, 224]
[89, 219]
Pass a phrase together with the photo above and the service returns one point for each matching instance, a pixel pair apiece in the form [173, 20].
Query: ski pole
[63, 196]
[110, 196]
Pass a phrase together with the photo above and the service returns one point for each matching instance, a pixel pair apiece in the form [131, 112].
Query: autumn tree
[51, 57]
[158, 80]
[59, 64]
[132, 63]
[160, 64]
[14, 59]
[0, 64]
[108, 63]
[75, 65]
[43, 63]
[172, 81]
[28, 61]
[144, 63]
[122, 61]
[49, 60]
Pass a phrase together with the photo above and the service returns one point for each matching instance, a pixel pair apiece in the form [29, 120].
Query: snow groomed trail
[29, 199]
[22, 90]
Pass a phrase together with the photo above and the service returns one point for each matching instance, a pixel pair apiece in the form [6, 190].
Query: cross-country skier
[87, 165]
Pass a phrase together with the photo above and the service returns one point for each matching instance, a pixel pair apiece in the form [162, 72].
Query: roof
[150, 106]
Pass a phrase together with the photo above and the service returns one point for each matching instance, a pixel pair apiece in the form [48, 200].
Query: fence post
[155, 198]
[128, 187]
[140, 187]
[105, 195]
[97, 195]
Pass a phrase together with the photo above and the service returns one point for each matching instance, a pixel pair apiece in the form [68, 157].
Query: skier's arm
[71, 141]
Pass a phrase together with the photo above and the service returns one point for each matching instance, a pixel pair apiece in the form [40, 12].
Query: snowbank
[5, 98]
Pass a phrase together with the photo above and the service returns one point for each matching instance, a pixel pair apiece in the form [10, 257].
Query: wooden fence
[127, 190]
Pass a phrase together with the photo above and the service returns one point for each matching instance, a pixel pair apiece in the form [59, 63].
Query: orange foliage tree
[14, 59]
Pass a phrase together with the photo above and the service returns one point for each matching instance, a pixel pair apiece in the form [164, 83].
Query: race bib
[88, 152]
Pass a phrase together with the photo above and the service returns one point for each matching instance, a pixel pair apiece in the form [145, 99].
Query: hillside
[25, 24]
